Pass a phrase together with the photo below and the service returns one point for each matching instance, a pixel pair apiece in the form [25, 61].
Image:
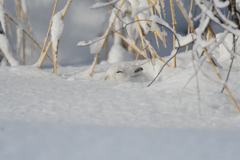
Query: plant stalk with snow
[133, 16]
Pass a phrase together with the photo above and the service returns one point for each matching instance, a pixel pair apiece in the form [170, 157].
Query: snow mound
[118, 54]
[125, 73]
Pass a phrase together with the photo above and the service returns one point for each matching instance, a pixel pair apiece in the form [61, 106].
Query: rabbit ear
[139, 69]
[119, 71]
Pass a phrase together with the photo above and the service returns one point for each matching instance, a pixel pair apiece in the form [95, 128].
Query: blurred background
[81, 24]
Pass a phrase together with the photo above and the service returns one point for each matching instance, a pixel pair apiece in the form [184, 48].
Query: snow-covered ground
[73, 116]
[58, 142]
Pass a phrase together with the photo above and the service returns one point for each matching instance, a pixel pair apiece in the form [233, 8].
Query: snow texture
[57, 28]
[126, 7]
[118, 54]
[34, 95]
[185, 40]
[220, 4]
[209, 13]
[55, 142]
[24, 6]
[96, 46]
[118, 27]
[156, 20]
[225, 53]
[139, 10]
[142, 16]
[103, 4]
[74, 116]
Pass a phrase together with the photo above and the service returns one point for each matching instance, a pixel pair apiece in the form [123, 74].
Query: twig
[169, 58]
[141, 34]
[174, 28]
[229, 70]
[23, 39]
[97, 56]
[27, 34]
[163, 68]
[50, 43]
[49, 28]
[8, 26]
[210, 60]
[126, 40]
[230, 67]
[189, 30]
[55, 54]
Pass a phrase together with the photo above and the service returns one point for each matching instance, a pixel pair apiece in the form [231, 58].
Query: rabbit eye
[119, 71]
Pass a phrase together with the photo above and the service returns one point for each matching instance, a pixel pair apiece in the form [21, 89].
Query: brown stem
[209, 58]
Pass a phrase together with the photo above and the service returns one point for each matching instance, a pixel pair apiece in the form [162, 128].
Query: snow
[4, 45]
[103, 4]
[57, 28]
[131, 29]
[219, 4]
[74, 116]
[24, 6]
[231, 23]
[139, 10]
[126, 7]
[89, 100]
[185, 40]
[115, 143]
[2, 18]
[138, 5]
[95, 47]
[216, 20]
[155, 19]
[118, 27]
[118, 54]
[225, 49]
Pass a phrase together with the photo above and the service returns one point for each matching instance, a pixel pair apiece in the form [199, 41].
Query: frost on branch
[56, 32]
[4, 44]
[57, 29]
[129, 24]
[2, 18]
[5, 47]
[102, 4]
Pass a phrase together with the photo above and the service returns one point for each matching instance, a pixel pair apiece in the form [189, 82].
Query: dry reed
[50, 43]
[104, 40]
[25, 32]
[209, 58]
[174, 28]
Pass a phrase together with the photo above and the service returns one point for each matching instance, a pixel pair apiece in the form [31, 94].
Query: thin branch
[27, 34]
[206, 53]
[49, 28]
[50, 43]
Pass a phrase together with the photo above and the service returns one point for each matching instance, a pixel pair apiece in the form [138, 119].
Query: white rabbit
[125, 73]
